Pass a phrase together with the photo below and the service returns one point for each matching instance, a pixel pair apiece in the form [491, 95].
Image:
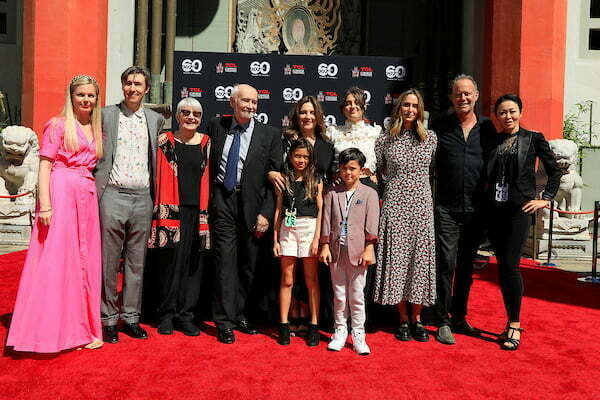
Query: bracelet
[45, 210]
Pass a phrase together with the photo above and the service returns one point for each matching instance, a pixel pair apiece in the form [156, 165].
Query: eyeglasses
[186, 113]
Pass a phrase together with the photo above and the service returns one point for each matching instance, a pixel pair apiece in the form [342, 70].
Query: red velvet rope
[570, 212]
[15, 196]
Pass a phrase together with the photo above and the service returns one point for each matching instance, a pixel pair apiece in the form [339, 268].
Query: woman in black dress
[511, 172]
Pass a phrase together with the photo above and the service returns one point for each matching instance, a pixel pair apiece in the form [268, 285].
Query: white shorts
[295, 241]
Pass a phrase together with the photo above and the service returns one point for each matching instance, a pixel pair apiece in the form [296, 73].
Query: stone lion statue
[569, 194]
[19, 163]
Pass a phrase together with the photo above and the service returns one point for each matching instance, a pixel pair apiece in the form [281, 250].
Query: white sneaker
[338, 339]
[359, 342]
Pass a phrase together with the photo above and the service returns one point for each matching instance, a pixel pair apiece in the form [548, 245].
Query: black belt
[237, 188]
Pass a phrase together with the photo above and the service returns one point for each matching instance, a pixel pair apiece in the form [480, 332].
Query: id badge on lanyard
[501, 192]
[290, 218]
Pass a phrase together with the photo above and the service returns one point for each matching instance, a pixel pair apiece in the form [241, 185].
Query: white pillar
[120, 46]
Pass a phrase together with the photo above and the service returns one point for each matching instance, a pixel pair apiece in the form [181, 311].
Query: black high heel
[284, 334]
[313, 335]
[510, 343]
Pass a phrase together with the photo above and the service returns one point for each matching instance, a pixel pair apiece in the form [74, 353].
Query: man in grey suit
[124, 181]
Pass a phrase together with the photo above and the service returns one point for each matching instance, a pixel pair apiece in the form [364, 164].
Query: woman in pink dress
[58, 302]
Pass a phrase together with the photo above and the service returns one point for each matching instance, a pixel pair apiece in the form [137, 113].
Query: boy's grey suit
[125, 216]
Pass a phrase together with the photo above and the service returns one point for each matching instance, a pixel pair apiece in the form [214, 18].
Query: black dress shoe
[165, 327]
[134, 330]
[225, 335]
[244, 326]
[187, 328]
[463, 327]
[403, 332]
[419, 333]
[110, 334]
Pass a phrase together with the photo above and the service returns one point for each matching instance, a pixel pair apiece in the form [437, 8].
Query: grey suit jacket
[110, 128]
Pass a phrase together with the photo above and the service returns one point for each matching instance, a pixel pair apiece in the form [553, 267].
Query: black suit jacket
[264, 154]
[532, 145]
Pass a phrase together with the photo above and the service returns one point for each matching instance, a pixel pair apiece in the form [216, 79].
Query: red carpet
[559, 357]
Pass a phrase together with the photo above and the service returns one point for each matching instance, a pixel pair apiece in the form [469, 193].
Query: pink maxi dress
[58, 302]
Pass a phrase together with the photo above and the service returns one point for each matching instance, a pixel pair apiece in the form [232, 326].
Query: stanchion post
[595, 240]
[594, 277]
[535, 247]
[550, 229]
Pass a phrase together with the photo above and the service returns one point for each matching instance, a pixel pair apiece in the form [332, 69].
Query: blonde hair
[398, 121]
[70, 141]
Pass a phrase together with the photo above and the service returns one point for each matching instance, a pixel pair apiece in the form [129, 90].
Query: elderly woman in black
[511, 172]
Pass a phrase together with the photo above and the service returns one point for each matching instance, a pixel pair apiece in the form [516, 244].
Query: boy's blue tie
[233, 158]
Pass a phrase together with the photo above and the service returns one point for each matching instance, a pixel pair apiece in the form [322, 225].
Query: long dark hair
[309, 175]
[293, 131]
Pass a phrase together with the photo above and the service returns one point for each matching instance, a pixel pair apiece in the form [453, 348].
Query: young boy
[348, 235]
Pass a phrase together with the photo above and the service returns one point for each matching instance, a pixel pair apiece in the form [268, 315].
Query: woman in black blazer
[511, 173]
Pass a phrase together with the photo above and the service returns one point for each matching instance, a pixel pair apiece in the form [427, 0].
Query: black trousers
[458, 236]
[508, 233]
[179, 270]
[236, 253]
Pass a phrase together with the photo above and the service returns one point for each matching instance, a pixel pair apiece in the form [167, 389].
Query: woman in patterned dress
[406, 253]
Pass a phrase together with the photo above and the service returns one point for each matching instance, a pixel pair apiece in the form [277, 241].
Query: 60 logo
[193, 66]
[329, 70]
[223, 92]
[395, 72]
[263, 117]
[294, 94]
[260, 68]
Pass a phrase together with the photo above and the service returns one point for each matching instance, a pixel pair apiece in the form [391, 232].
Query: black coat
[532, 145]
[264, 154]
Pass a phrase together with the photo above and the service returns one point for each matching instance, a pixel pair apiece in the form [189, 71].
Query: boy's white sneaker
[338, 339]
[359, 342]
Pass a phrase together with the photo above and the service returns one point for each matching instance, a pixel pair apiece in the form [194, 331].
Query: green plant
[580, 129]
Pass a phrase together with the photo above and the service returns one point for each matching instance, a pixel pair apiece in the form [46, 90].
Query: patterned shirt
[130, 167]
[359, 135]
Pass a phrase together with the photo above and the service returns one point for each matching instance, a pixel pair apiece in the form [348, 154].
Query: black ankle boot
[284, 334]
[313, 335]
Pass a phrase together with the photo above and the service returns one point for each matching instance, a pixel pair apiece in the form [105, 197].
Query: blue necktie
[230, 179]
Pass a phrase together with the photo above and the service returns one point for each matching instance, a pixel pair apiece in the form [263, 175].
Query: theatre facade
[547, 51]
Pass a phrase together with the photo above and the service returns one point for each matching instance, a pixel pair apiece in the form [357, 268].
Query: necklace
[183, 139]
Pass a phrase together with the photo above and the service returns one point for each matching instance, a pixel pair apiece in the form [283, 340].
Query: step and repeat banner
[282, 80]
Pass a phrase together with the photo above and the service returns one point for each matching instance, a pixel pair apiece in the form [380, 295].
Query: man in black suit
[242, 205]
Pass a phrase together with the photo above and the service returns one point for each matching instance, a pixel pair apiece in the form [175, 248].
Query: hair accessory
[83, 76]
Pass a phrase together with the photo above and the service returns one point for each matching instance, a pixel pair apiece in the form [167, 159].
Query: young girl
[297, 232]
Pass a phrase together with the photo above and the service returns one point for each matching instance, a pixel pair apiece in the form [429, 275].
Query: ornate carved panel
[288, 27]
